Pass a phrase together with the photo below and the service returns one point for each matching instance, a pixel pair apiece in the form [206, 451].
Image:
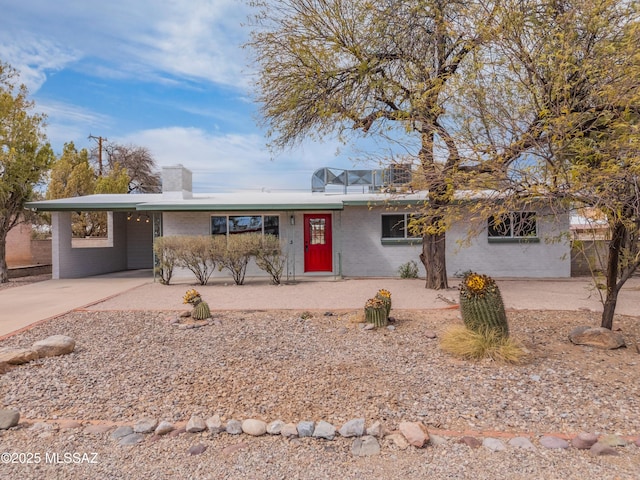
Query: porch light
[292, 220]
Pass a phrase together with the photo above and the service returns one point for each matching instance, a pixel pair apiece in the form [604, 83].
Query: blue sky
[167, 75]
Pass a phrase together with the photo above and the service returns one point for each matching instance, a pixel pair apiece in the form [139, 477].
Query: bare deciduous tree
[139, 164]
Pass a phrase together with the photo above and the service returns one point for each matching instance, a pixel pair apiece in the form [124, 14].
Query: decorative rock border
[366, 440]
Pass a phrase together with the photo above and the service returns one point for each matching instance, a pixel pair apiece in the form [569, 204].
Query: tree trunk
[4, 273]
[433, 255]
[617, 240]
[433, 258]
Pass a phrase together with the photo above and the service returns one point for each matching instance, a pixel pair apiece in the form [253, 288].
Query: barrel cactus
[200, 307]
[481, 305]
[375, 312]
[385, 296]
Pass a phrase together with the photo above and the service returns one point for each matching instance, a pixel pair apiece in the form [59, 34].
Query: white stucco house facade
[339, 234]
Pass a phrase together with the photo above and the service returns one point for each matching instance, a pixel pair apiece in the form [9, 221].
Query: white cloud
[67, 123]
[34, 58]
[198, 39]
[229, 162]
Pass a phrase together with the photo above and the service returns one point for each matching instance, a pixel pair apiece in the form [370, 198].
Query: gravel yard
[281, 365]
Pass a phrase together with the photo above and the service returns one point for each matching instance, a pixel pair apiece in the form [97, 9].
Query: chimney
[176, 182]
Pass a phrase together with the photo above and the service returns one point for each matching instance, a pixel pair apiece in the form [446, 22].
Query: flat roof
[238, 201]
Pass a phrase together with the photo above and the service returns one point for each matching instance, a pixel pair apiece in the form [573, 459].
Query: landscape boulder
[353, 428]
[54, 345]
[254, 427]
[597, 337]
[365, 446]
[145, 425]
[584, 440]
[17, 356]
[196, 424]
[415, 433]
[8, 418]
[214, 424]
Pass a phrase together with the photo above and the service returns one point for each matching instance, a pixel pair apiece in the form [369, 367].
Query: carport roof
[238, 201]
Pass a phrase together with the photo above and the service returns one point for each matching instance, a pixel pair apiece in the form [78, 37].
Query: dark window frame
[513, 226]
[394, 227]
[268, 224]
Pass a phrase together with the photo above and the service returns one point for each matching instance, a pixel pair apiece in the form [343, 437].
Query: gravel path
[278, 365]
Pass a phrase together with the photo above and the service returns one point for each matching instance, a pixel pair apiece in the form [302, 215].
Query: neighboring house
[590, 234]
[23, 251]
[346, 234]
[18, 247]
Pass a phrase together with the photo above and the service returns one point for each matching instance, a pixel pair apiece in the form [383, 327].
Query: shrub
[408, 270]
[198, 255]
[166, 252]
[235, 251]
[270, 259]
[467, 344]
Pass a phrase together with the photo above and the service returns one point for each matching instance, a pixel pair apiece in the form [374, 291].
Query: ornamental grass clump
[200, 307]
[467, 344]
[485, 333]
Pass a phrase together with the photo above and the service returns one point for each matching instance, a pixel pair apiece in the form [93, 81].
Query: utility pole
[99, 140]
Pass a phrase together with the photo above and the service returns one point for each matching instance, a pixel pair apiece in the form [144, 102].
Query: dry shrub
[463, 343]
[235, 251]
[270, 259]
[197, 253]
[167, 257]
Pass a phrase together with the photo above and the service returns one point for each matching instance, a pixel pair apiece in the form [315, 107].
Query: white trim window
[239, 224]
[514, 225]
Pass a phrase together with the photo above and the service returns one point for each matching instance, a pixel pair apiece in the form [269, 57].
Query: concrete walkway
[23, 306]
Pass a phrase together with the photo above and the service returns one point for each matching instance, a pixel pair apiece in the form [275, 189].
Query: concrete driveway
[23, 306]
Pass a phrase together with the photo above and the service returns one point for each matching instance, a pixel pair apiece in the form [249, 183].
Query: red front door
[318, 254]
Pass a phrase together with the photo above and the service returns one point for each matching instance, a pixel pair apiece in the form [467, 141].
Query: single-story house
[339, 234]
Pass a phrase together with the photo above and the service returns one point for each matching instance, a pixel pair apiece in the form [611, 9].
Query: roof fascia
[177, 207]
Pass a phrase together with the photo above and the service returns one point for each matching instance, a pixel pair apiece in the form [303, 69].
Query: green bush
[408, 270]
[270, 259]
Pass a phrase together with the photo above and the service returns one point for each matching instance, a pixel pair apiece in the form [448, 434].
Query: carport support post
[60, 242]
